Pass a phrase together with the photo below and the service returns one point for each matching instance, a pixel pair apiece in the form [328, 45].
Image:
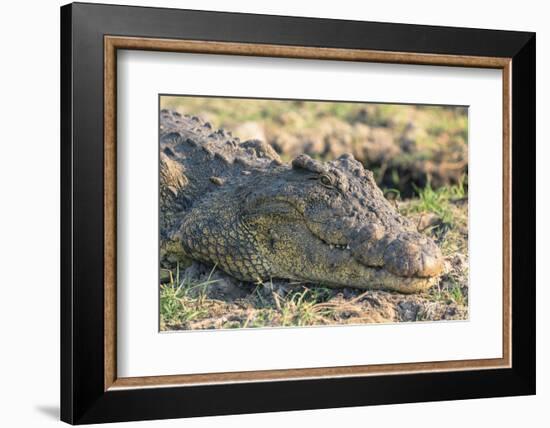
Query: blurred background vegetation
[406, 146]
[419, 155]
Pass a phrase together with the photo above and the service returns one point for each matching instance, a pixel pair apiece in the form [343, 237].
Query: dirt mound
[399, 160]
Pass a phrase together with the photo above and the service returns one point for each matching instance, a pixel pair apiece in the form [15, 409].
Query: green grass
[185, 303]
[296, 115]
[304, 307]
[439, 201]
[301, 306]
[456, 295]
[449, 291]
[183, 300]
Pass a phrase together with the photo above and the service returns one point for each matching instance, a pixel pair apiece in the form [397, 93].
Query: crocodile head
[323, 222]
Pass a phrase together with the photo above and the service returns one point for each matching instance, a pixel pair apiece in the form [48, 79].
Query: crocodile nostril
[413, 254]
[432, 264]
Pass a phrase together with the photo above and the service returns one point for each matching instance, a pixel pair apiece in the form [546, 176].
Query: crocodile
[238, 206]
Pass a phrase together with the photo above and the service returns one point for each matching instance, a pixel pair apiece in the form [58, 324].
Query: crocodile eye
[326, 181]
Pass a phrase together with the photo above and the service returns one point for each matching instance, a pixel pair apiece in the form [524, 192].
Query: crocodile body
[238, 206]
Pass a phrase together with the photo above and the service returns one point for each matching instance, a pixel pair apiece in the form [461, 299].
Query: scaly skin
[238, 206]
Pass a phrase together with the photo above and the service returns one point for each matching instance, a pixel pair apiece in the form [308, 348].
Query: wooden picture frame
[91, 391]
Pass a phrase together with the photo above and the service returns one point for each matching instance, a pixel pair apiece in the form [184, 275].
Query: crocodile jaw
[338, 266]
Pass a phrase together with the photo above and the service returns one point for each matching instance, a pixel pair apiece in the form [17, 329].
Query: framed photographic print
[265, 213]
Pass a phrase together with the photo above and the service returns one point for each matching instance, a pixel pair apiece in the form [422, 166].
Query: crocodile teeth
[339, 246]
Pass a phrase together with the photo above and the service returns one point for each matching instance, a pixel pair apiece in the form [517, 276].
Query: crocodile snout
[413, 255]
[406, 254]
